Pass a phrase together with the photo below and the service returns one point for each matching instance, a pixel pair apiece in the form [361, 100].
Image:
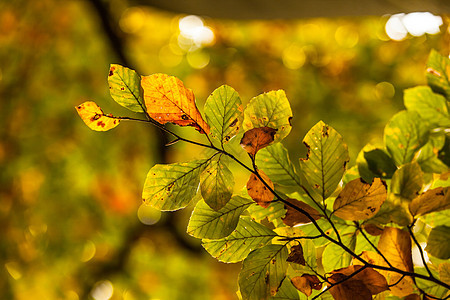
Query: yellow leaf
[431, 201]
[93, 116]
[258, 191]
[294, 217]
[395, 244]
[257, 138]
[167, 100]
[359, 200]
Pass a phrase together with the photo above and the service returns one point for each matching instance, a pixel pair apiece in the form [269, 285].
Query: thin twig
[422, 255]
[371, 244]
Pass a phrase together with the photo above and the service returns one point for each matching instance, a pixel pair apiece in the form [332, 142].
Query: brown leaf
[257, 138]
[167, 100]
[258, 191]
[93, 116]
[366, 283]
[294, 217]
[359, 200]
[296, 255]
[412, 297]
[395, 244]
[373, 229]
[431, 201]
[306, 283]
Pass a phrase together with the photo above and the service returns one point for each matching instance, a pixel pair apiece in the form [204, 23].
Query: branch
[422, 255]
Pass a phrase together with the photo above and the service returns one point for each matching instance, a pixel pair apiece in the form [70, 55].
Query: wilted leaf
[216, 184]
[294, 217]
[262, 272]
[359, 200]
[306, 283]
[438, 242]
[438, 73]
[430, 106]
[270, 109]
[404, 135]
[326, 159]
[275, 162]
[395, 244]
[248, 235]
[380, 163]
[366, 283]
[223, 112]
[257, 138]
[258, 191]
[210, 224]
[431, 201]
[93, 116]
[407, 181]
[296, 255]
[125, 88]
[167, 100]
[171, 187]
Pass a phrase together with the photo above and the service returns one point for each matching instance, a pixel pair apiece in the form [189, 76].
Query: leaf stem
[422, 255]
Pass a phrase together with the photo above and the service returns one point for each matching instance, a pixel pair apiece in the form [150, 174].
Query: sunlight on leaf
[437, 244]
[438, 73]
[306, 283]
[431, 201]
[167, 100]
[257, 138]
[216, 184]
[258, 191]
[125, 88]
[93, 116]
[294, 217]
[407, 181]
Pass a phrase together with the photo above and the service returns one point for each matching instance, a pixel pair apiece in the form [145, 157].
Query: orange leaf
[366, 283]
[93, 116]
[294, 217]
[257, 138]
[167, 100]
[306, 283]
[395, 244]
[258, 191]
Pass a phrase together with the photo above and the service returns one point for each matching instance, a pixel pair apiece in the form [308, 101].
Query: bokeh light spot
[417, 23]
[384, 90]
[103, 290]
[132, 20]
[148, 215]
[198, 59]
[13, 270]
[294, 57]
[168, 58]
[89, 250]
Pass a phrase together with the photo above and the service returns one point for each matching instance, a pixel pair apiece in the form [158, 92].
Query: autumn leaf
[366, 283]
[125, 88]
[294, 217]
[167, 100]
[306, 283]
[395, 244]
[296, 255]
[257, 138]
[258, 191]
[359, 200]
[373, 229]
[95, 118]
[431, 201]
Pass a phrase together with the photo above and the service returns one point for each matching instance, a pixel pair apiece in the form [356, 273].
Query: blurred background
[72, 224]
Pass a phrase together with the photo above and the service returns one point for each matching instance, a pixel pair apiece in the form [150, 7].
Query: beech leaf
[167, 100]
[270, 109]
[306, 283]
[257, 138]
[294, 217]
[438, 73]
[93, 116]
[431, 201]
[407, 181]
[125, 88]
[437, 243]
[216, 184]
[359, 200]
[296, 255]
[326, 159]
[258, 191]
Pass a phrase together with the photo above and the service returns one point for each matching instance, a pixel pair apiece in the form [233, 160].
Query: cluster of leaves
[323, 230]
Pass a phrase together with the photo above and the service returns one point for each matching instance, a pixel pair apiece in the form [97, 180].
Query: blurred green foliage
[69, 196]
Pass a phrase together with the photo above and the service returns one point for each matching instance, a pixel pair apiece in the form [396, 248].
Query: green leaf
[437, 244]
[274, 161]
[125, 88]
[171, 187]
[380, 163]
[249, 235]
[444, 272]
[428, 155]
[216, 184]
[430, 287]
[431, 201]
[223, 112]
[430, 106]
[407, 181]
[273, 213]
[394, 209]
[440, 218]
[404, 135]
[334, 257]
[326, 159]
[438, 72]
[262, 272]
[287, 291]
[270, 109]
[206, 223]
